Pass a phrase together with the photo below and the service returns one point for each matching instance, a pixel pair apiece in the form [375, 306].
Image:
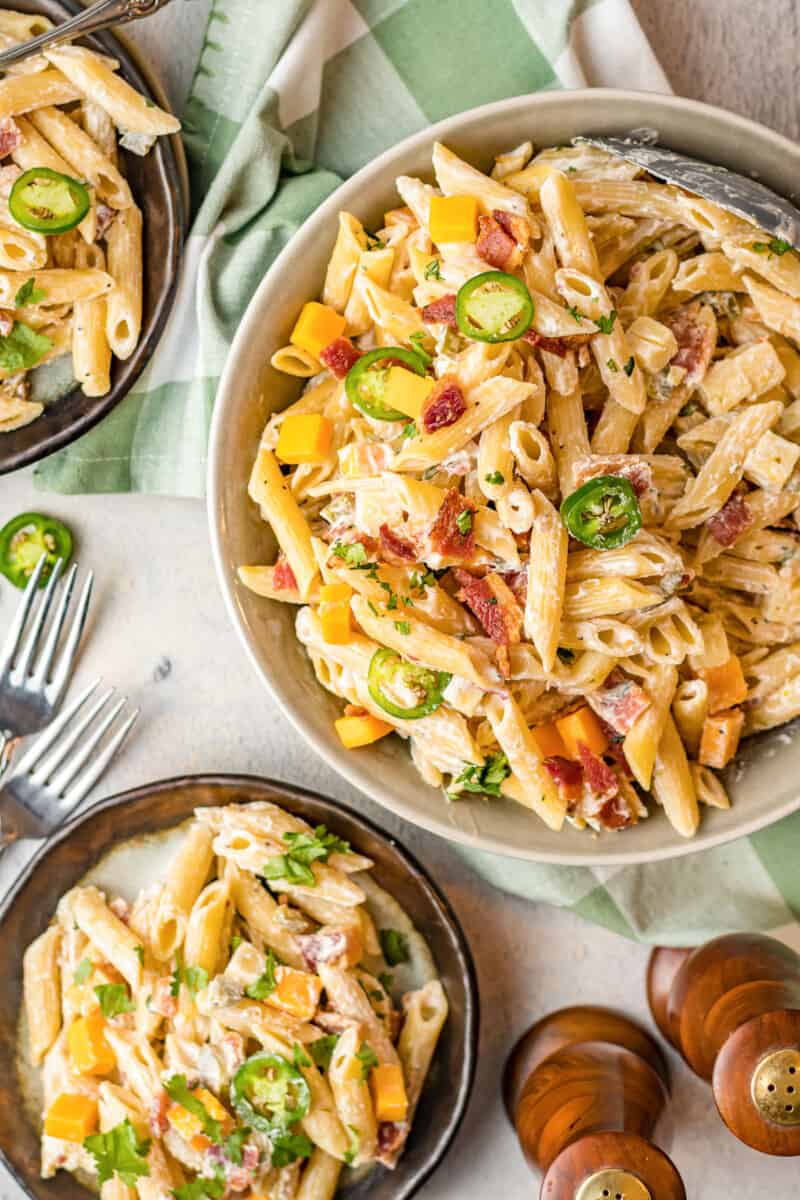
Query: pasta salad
[70, 229]
[235, 1030]
[537, 503]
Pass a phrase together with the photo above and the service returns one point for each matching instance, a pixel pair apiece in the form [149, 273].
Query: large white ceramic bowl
[765, 785]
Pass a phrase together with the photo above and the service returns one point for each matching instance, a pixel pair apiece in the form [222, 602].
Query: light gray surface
[159, 632]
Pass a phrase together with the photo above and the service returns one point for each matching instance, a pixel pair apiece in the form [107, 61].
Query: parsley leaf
[410, 430]
[777, 246]
[178, 1090]
[394, 945]
[322, 1050]
[200, 1188]
[119, 1152]
[83, 971]
[29, 294]
[355, 1146]
[288, 1147]
[629, 365]
[23, 348]
[353, 553]
[495, 477]
[484, 780]
[195, 978]
[114, 999]
[368, 1059]
[283, 866]
[612, 364]
[233, 1144]
[306, 848]
[573, 311]
[266, 983]
[464, 521]
[433, 269]
[606, 324]
[403, 627]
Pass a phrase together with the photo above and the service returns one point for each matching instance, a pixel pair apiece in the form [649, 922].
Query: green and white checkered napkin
[290, 97]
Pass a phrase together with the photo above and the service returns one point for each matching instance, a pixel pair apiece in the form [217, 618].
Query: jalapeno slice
[366, 380]
[494, 307]
[270, 1093]
[604, 513]
[25, 539]
[392, 677]
[48, 202]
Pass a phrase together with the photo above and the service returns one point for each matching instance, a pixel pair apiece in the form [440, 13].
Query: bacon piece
[157, 1114]
[396, 549]
[600, 779]
[443, 406]
[319, 948]
[495, 606]
[639, 474]
[6, 322]
[615, 813]
[10, 136]
[339, 356]
[495, 246]
[567, 775]
[441, 312]
[515, 226]
[518, 582]
[696, 340]
[283, 576]
[727, 525]
[391, 1139]
[619, 701]
[445, 536]
[105, 218]
[557, 345]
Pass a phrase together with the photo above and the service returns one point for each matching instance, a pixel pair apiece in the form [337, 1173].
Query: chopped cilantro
[495, 477]
[355, 1145]
[288, 1147]
[23, 348]
[416, 340]
[201, 1187]
[612, 365]
[777, 246]
[367, 1057]
[114, 999]
[372, 609]
[29, 294]
[178, 1090]
[410, 430]
[606, 324]
[304, 849]
[82, 971]
[299, 1056]
[139, 952]
[266, 983]
[629, 365]
[464, 521]
[403, 627]
[119, 1152]
[236, 942]
[433, 269]
[322, 1050]
[484, 780]
[375, 243]
[394, 945]
[233, 1144]
[353, 553]
[573, 311]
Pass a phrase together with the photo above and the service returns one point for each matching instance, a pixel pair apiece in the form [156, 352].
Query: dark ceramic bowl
[159, 186]
[66, 858]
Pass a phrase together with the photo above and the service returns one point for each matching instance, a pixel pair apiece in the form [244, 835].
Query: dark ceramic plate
[66, 858]
[158, 183]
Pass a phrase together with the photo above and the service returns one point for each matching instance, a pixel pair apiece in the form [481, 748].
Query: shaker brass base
[613, 1185]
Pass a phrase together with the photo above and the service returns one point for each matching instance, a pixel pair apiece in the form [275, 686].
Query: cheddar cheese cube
[582, 726]
[726, 685]
[89, 1051]
[304, 438]
[453, 219]
[549, 741]
[389, 1092]
[361, 731]
[298, 993]
[317, 326]
[190, 1126]
[406, 391]
[334, 613]
[71, 1117]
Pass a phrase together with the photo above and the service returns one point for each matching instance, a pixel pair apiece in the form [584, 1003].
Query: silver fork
[34, 671]
[55, 772]
[102, 15]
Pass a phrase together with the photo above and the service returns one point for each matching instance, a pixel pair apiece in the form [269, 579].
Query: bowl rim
[248, 330]
[172, 156]
[421, 874]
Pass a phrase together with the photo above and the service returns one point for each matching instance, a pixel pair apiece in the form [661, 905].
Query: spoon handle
[100, 16]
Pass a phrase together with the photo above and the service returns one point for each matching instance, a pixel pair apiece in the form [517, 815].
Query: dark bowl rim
[216, 779]
[173, 159]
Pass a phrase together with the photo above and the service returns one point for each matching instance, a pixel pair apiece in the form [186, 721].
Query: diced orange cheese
[334, 613]
[720, 738]
[726, 685]
[89, 1051]
[71, 1117]
[549, 741]
[361, 731]
[453, 219]
[304, 438]
[581, 726]
[406, 391]
[297, 993]
[389, 1092]
[317, 326]
[190, 1127]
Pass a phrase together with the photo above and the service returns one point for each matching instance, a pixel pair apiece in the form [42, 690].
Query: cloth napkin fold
[289, 99]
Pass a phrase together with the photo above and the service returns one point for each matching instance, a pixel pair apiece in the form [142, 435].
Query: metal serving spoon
[745, 197]
[100, 16]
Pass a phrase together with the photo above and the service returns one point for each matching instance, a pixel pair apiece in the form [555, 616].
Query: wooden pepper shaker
[732, 1009]
[584, 1088]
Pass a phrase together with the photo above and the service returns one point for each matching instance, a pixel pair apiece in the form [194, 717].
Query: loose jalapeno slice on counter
[366, 380]
[48, 202]
[392, 678]
[270, 1093]
[24, 540]
[604, 513]
[494, 307]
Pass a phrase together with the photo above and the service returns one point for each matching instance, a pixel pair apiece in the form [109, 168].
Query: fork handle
[6, 748]
[100, 16]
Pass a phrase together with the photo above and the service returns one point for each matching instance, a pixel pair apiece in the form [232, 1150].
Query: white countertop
[159, 633]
